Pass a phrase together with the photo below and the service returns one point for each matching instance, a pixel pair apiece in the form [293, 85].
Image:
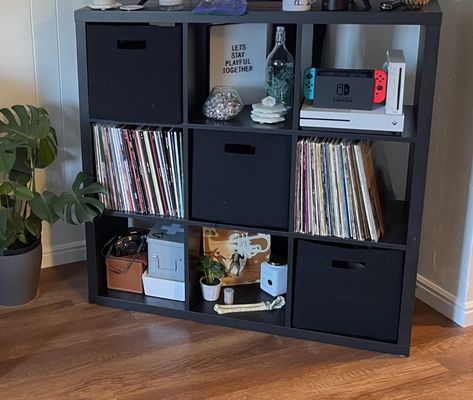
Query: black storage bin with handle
[135, 73]
[241, 178]
[348, 290]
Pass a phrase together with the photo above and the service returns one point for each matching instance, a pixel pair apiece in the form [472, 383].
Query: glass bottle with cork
[280, 71]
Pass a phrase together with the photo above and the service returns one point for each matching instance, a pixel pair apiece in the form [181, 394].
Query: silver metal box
[166, 252]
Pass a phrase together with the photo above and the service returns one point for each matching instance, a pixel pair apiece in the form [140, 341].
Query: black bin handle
[236, 148]
[343, 264]
[131, 44]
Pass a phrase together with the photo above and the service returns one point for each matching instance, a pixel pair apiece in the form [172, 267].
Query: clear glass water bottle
[280, 71]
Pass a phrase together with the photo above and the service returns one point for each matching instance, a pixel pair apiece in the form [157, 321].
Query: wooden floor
[61, 347]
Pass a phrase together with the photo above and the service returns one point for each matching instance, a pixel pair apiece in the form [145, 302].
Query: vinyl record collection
[336, 190]
[141, 168]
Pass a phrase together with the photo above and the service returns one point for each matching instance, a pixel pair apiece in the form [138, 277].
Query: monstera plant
[28, 143]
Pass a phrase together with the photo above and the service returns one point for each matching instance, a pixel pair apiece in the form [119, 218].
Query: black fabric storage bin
[348, 291]
[135, 73]
[241, 178]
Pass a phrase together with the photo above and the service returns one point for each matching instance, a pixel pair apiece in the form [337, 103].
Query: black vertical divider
[297, 77]
[197, 66]
[423, 100]
[291, 268]
[186, 151]
[186, 267]
[185, 73]
[93, 259]
[290, 250]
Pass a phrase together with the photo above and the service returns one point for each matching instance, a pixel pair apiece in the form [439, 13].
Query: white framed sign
[238, 58]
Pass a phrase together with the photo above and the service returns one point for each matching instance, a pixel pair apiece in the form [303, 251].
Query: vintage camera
[130, 243]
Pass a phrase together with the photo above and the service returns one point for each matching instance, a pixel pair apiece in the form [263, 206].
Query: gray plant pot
[19, 274]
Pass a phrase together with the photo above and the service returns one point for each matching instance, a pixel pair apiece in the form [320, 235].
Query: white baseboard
[64, 254]
[444, 302]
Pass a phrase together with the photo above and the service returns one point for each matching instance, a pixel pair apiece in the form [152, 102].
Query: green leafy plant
[28, 143]
[212, 269]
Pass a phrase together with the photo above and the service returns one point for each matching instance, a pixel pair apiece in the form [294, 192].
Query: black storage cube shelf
[241, 178]
[135, 73]
[348, 290]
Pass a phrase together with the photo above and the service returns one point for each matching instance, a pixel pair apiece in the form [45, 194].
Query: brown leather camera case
[124, 276]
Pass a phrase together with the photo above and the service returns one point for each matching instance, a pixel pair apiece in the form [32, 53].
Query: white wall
[38, 66]
[445, 279]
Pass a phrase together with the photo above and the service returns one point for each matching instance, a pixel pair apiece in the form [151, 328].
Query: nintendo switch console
[354, 89]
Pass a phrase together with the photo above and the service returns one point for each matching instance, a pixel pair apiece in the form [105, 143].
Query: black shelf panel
[154, 217]
[270, 12]
[244, 294]
[142, 300]
[135, 303]
[408, 136]
[133, 123]
[243, 123]
[395, 236]
[239, 227]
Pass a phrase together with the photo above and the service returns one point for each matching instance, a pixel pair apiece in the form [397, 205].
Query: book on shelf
[141, 169]
[336, 190]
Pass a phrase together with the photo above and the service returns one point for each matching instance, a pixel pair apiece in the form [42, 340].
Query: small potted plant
[210, 283]
[28, 144]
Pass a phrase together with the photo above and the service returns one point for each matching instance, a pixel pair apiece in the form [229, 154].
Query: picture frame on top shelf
[237, 58]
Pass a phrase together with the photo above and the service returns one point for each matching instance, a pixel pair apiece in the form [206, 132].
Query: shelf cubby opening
[108, 228]
[142, 169]
[336, 191]
[201, 80]
[362, 47]
[221, 244]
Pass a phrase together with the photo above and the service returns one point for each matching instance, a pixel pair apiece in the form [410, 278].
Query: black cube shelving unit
[388, 327]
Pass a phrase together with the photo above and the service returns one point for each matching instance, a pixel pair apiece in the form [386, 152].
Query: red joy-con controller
[380, 84]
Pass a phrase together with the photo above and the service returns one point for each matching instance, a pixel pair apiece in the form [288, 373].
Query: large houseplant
[28, 143]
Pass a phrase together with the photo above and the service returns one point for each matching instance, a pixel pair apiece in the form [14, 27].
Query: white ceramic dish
[104, 7]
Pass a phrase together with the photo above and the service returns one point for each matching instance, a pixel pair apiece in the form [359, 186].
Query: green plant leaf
[80, 206]
[23, 193]
[21, 171]
[43, 206]
[7, 155]
[34, 225]
[6, 187]
[47, 149]
[24, 123]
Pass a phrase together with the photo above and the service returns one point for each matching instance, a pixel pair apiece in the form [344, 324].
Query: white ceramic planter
[210, 292]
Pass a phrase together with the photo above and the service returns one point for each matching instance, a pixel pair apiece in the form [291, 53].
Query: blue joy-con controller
[309, 83]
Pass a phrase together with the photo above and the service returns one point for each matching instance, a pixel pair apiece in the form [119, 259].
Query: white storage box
[273, 278]
[165, 288]
[166, 252]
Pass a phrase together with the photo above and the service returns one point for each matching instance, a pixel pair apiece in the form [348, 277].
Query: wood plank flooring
[61, 347]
